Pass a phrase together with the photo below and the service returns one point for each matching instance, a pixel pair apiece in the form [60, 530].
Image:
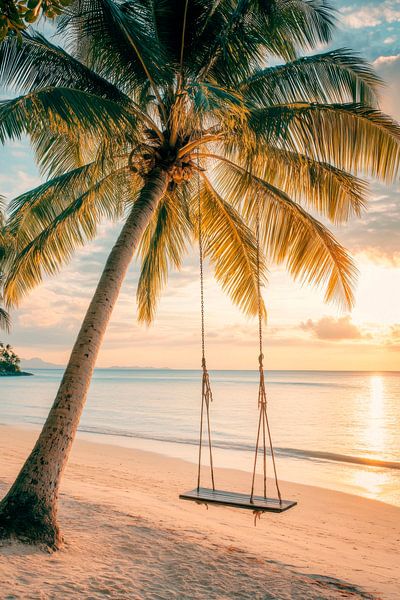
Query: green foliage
[9, 361]
[188, 87]
[17, 15]
[4, 316]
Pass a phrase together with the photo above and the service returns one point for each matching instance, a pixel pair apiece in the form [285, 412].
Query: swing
[202, 495]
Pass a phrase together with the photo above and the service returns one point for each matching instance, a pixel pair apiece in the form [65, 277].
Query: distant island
[10, 363]
[16, 374]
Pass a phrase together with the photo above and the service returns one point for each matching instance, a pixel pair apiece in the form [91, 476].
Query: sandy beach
[128, 536]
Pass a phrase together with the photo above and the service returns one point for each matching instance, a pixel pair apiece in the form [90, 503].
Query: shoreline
[328, 536]
[19, 374]
[182, 450]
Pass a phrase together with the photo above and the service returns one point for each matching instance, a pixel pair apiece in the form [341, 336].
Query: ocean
[338, 430]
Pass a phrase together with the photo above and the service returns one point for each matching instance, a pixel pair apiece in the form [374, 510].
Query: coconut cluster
[146, 157]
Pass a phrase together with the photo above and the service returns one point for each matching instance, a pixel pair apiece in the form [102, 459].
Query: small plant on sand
[152, 112]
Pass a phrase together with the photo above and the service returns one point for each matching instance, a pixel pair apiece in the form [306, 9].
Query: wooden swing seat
[236, 500]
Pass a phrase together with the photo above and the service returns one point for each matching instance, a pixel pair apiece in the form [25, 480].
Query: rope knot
[260, 360]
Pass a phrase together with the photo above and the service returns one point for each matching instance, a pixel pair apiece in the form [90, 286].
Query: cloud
[376, 233]
[395, 332]
[393, 338]
[386, 60]
[371, 16]
[329, 328]
[16, 182]
[388, 67]
[368, 26]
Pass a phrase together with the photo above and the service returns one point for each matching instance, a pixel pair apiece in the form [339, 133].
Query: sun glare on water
[373, 437]
[373, 422]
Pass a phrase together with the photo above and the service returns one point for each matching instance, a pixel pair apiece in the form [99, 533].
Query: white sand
[128, 536]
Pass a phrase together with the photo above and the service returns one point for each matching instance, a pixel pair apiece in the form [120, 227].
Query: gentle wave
[346, 458]
[288, 452]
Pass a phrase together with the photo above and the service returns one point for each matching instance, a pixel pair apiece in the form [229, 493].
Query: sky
[302, 331]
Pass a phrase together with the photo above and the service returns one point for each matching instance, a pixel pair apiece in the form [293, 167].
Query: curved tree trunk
[29, 510]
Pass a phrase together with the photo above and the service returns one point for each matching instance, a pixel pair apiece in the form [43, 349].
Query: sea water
[338, 430]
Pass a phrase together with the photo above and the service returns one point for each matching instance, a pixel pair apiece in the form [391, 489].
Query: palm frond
[331, 192]
[231, 248]
[117, 40]
[70, 229]
[4, 316]
[2, 233]
[211, 100]
[292, 237]
[305, 23]
[352, 137]
[5, 321]
[178, 25]
[335, 76]
[2, 207]
[63, 110]
[231, 45]
[37, 63]
[162, 246]
[252, 29]
[57, 153]
[35, 210]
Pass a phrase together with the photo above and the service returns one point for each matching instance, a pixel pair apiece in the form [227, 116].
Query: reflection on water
[374, 428]
[373, 483]
[373, 436]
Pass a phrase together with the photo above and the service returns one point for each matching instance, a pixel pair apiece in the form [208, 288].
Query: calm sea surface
[324, 424]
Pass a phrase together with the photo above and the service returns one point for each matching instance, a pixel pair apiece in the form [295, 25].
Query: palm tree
[159, 110]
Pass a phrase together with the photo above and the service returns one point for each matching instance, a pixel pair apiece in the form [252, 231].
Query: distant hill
[38, 363]
[136, 368]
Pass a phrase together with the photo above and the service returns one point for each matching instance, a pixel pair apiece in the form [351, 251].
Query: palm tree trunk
[29, 510]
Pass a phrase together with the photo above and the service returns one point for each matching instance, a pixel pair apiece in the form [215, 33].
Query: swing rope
[263, 430]
[263, 423]
[206, 393]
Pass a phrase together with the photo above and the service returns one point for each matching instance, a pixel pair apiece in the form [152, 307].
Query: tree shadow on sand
[112, 554]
